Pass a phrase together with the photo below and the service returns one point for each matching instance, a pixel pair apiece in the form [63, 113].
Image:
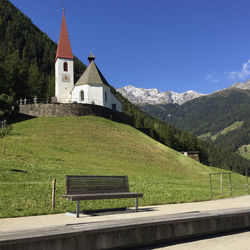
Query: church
[91, 88]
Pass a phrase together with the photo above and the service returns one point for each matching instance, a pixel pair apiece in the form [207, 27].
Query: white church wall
[106, 97]
[117, 103]
[111, 100]
[76, 94]
[64, 80]
[95, 94]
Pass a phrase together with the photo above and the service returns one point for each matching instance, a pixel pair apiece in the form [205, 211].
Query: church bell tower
[64, 66]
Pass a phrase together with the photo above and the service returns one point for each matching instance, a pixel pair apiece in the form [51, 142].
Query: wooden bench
[98, 187]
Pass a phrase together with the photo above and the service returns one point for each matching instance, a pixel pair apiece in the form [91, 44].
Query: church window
[114, 106]
[65, 66]
[105, 96]
[82, 95]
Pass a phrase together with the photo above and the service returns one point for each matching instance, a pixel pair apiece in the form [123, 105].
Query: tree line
[205, 114]
[27, 56]
[180, 140]
[27, 69]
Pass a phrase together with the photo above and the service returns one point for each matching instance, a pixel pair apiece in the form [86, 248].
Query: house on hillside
[192, 154]
[91, 88]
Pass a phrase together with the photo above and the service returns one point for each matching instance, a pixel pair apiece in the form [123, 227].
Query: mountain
[222, 117]
[27, 69]
[179, 139]
[154, 96]
[240, 85]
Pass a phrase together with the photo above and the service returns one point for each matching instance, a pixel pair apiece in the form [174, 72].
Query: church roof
[92, 75]
[64, 48]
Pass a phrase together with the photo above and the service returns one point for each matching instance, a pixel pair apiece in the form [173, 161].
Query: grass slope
[244, 151]
[224, 131]
[41, 149]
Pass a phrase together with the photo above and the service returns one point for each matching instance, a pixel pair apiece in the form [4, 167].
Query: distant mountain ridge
[155, 96]
[240, 85]
[223, 117]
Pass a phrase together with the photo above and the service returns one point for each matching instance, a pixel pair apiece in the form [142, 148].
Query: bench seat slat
[96, 184]
[81, 191]
[100, 196]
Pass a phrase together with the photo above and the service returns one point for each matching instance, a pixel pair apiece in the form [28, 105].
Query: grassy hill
[27, 69]
[244, 151]
[41, 149]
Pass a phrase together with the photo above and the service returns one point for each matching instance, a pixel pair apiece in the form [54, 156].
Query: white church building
[91, 88]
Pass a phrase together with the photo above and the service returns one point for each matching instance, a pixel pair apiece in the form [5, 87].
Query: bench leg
[77, 208]
[136, 204]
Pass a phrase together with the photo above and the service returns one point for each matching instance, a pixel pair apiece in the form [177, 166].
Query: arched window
[105, 96]
[65, 66]
[82, 95]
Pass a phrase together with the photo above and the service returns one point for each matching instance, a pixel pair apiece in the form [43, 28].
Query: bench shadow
[112, 211]
[109, 211]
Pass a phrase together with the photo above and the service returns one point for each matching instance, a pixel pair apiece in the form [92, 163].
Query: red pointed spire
[64, 48]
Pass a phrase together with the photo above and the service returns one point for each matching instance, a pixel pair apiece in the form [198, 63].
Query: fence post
[53, 193]
[246, 169]
[230, 181]
[221, 185]
[4, 147]
[211, 189]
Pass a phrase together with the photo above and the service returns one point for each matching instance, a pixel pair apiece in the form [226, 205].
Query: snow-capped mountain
[154, 96]
[241, 85]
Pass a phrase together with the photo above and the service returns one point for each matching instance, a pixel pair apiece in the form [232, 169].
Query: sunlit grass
[41, 149]
[244, 151]
[224, 131]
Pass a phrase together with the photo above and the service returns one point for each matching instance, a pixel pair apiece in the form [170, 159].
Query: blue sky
[178, 45]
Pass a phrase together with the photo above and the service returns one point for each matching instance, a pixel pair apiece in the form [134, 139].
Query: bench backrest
[87, 184]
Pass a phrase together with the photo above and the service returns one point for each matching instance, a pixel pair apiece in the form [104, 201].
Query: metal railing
[24, 101]
[230, 186]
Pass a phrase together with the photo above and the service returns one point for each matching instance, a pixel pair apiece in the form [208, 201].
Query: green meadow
[224, 131]
[244, 151]
[40, 149]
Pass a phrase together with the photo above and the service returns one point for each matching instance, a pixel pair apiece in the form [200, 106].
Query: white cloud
[211, 78]
[243, 73]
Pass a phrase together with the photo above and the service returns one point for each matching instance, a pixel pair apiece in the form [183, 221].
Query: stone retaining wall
[72, 109]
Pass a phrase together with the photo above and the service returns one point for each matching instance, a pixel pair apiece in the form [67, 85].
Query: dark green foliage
[211, 114]
[6, 103]
[205, 114]
[27, 56]
[5, 131]
[159, 130]
[181, 140]
[236, 138]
